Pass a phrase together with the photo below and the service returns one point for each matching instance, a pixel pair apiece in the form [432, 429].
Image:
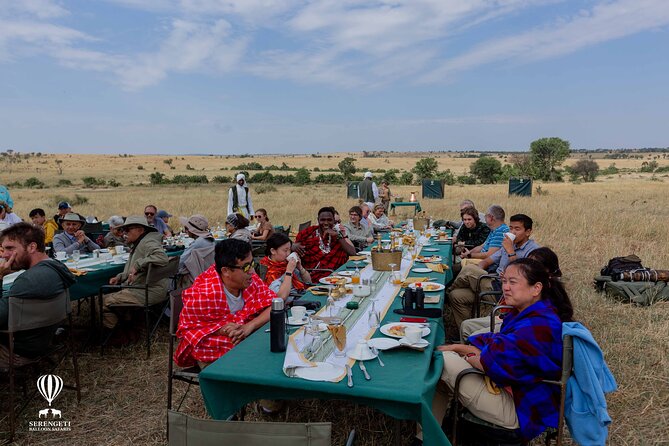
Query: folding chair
[479, 296]
[508, 434]
[186, 430]
[303, 226]
[31, 314]
[153, 275]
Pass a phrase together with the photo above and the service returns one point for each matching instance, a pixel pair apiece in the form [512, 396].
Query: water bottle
[278, 340]
[419, 297]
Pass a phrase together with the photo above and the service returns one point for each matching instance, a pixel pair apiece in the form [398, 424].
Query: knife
[349, 373]
[364, 370]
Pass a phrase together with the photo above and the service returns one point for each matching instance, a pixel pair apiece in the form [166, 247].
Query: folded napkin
[294, 358]
[409, 280]
[356, 258]
[437, 267]
[318, 290]
[431, 299]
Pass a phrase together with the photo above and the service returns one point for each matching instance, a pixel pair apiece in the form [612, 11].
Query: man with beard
[43, 279]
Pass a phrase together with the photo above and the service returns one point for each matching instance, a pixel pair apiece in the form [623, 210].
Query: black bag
[618, 265]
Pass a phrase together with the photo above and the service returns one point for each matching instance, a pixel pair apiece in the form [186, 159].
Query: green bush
[93, 181]
[190, 179]
[140, 167]
[33, 183]
[64, 182]
[466, 179]
[113, 183]
[264, 188]
[220, 179]
[76, 201]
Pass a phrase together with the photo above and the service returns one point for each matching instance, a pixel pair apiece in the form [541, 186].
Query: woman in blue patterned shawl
[527, 350]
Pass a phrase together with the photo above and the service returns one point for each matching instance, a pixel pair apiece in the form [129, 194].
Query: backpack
[618, 265]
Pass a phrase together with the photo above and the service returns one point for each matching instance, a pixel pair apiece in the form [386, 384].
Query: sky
[306, 76]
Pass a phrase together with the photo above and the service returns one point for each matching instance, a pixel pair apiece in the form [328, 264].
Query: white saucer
[324, 371]
[430, 249]
[420, 344]
[366, 356]
[421, 270]
[296, 322]
[118, 262]
[383, 343]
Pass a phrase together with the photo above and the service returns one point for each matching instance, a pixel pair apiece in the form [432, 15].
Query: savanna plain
[124, 396]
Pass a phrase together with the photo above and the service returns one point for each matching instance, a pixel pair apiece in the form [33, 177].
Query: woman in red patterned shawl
[281, 264]
[324, 246]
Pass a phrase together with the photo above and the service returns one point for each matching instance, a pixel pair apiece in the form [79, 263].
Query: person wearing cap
[197, 227]
[4, 196]
[115, 235]
[239, 198]
[146, 248]
[165, 217]
[38, 217]
[150, 212]
[73, 238]
[236, 225]
[7, 217]
[63, 208]
[368, 192]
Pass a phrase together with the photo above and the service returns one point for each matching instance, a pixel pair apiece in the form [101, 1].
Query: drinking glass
[392, 272]
[76, 255]
[374, 316]
[337, 352]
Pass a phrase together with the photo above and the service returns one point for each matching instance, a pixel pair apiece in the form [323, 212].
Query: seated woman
[281, 265]
[265, 228]
[379, 220]
[472, 232]
[73, 238]
[322, 246]
[236, 226]
[115, 235]
[527, 349]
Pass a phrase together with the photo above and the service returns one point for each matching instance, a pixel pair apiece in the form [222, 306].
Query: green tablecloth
[403, 389]
[397, 204]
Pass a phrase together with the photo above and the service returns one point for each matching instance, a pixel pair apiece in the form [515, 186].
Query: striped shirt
[495, 238]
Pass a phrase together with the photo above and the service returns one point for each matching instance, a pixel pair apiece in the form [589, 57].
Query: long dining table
[403, 388]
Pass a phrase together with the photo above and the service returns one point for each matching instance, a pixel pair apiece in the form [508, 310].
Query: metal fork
[378, 356]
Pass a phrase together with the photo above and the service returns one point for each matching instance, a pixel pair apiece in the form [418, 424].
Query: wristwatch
[289, 274]
[513, 254]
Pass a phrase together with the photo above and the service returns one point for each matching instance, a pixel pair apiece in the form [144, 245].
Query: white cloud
[42, 9]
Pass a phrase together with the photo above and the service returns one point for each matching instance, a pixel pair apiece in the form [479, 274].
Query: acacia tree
[347, 167]
[586, 169]
[425, 168]
[487, 169]
[547, 154]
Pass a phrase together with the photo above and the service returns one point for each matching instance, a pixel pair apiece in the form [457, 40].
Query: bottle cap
[278, 304]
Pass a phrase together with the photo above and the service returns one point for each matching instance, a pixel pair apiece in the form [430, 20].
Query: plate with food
[430, 259]
[344, 273]
[334, 280]
[396, 329]
[428, 286]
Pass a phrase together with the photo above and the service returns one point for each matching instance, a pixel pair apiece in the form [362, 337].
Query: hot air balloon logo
[49, 386]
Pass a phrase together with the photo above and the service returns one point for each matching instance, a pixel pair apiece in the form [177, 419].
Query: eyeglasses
[149, 214]
[259, 216]
[245, 268]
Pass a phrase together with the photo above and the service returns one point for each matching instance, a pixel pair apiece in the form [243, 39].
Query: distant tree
[522, 163]
[547, 154]
[446, 176]
[347, 167]
[487, 169]
[406, 178]
[302, 177]
[426, 168]
[586, 169]
[391, 176]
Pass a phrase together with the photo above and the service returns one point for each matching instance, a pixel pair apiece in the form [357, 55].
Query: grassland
[586, 224]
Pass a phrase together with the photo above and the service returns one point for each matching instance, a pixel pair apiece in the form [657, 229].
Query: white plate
[383, 343]
[368, 356]
[431, 259]
[420, 344]
[344, 273]
[430, 249]
[429, 286]
[295, 322]
[118, 262]
[324, 371]
[385, 329]
[421, 270]
[364, 253]
[427, 244]
[330, 280]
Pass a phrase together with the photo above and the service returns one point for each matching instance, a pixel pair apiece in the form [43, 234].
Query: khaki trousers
[124, 298]
[476, 326]
[462, 293]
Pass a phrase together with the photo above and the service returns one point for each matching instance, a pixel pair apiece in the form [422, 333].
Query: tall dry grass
[585, 224]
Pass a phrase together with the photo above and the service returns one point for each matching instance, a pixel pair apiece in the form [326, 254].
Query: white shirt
[10, 219]
[241, 200]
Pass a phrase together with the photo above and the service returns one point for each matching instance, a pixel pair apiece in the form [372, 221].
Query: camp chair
[258, 248]
[509, 435]
[479, 296]
[26, 315]
[93, 230]
[186, 430]
[153, 275]
[188, 375]
[303, 226]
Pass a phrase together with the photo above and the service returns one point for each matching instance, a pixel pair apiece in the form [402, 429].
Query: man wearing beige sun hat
[197, 228]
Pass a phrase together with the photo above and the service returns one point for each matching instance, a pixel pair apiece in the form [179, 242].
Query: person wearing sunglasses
[224, 306]
[265, 228]
[151, 212]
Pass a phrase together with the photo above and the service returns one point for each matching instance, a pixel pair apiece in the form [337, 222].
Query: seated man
[225, 305]
[146, 248]
[63, 209]
[151, 212]
[73, 238]
[43, 278]
[366, 211]
[197, 228]
[165, 217]
[38, 216]
[494, 218]
[361, 235]
[462, 292]
[115, 235]
[323, 246]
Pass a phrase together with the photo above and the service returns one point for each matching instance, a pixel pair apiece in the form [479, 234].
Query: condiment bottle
[419, 296]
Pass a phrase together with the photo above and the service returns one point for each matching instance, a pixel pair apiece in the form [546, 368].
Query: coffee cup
[413, 334]
[361, 350]
[298, 312]
[293, 255]
[120, 250]
[510, 235]
[61, 255]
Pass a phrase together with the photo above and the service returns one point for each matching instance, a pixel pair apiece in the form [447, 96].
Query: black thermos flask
[409, 298]
[419, 297]
[278, 340]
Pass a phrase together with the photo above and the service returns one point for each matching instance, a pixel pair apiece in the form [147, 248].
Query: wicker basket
[420, 223]
[381, 260]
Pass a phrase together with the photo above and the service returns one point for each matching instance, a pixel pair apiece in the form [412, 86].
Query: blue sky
[296, 76]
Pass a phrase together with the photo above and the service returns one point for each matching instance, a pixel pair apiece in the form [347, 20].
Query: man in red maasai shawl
[324, 245]
[226, 304]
